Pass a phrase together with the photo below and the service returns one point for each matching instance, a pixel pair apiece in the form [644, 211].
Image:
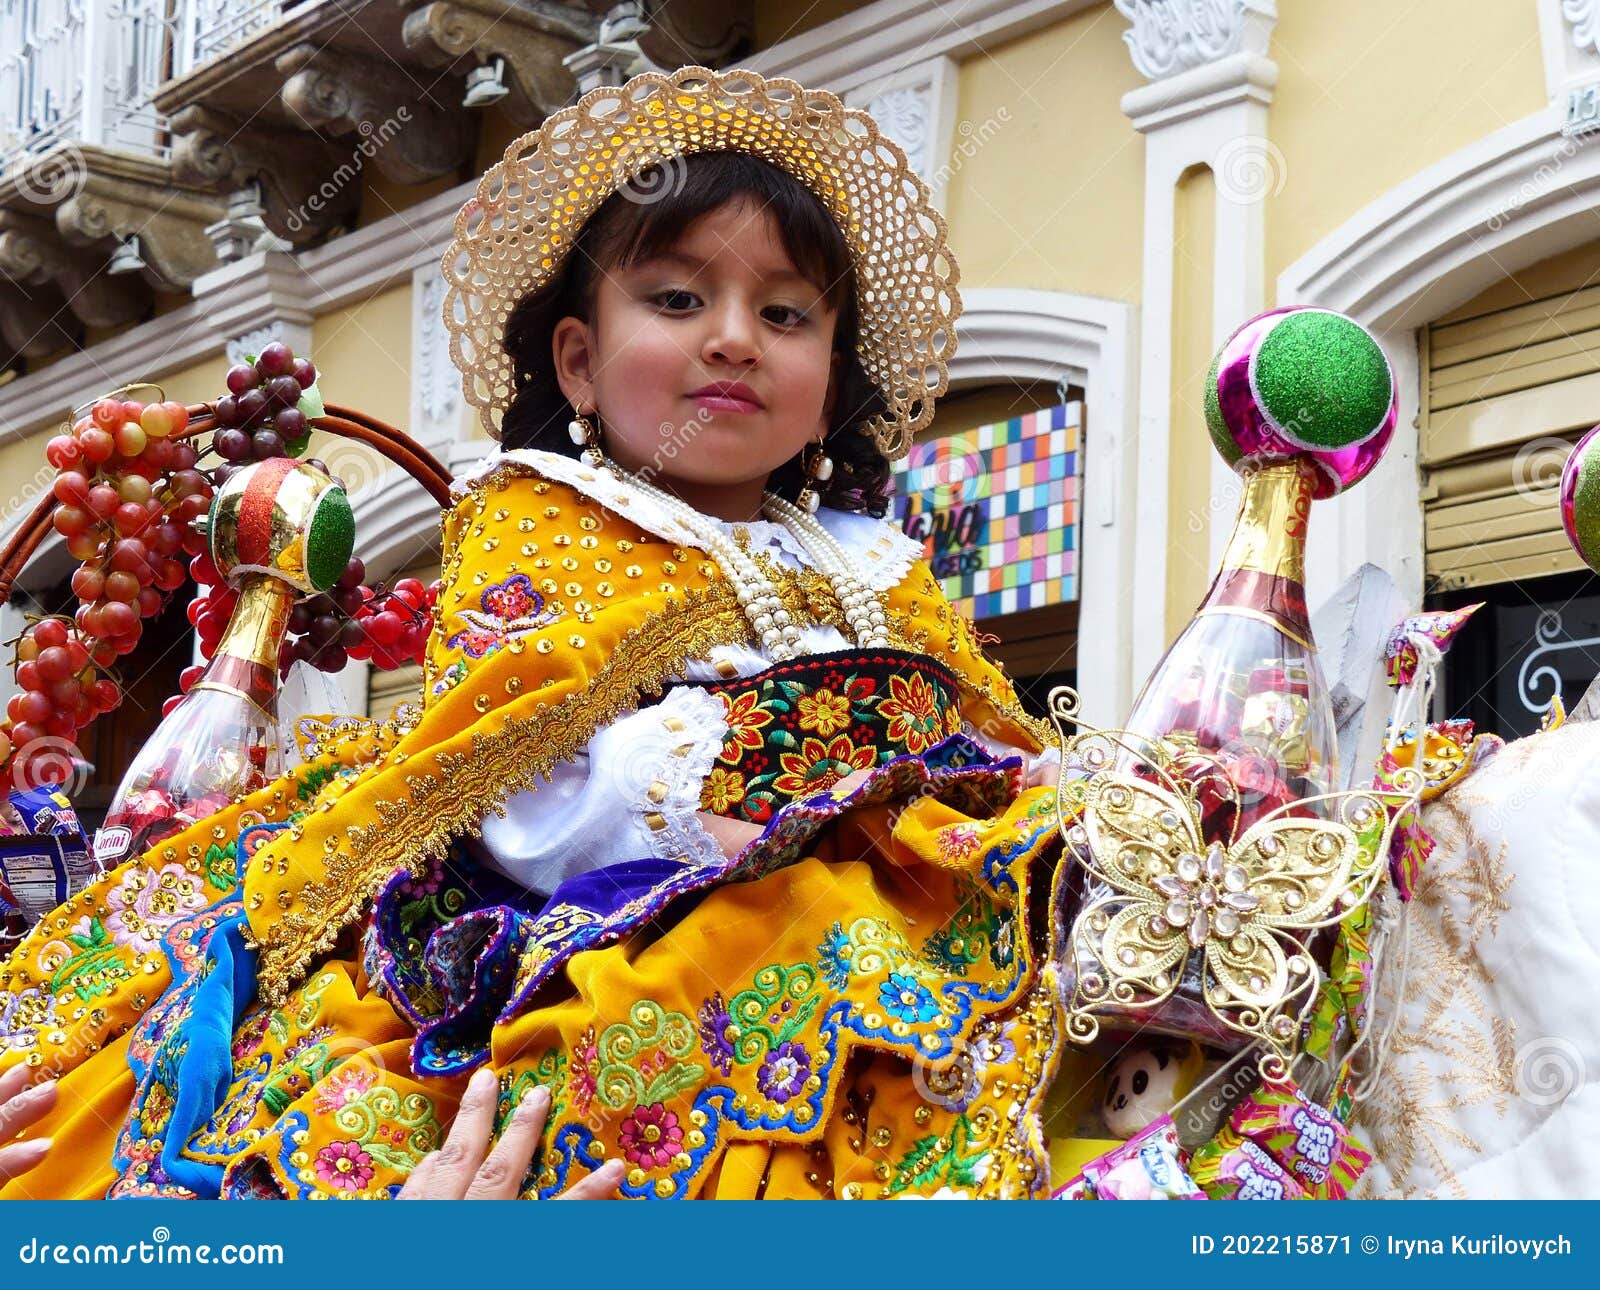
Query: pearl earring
[586, 435]
[819, 469]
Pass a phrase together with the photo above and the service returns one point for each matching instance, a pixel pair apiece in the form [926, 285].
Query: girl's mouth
[727, 396]
[724, 402]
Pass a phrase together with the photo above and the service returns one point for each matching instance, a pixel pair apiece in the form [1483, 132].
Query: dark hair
[644, 219]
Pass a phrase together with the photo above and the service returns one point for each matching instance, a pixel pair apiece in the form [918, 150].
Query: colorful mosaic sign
[996, 509]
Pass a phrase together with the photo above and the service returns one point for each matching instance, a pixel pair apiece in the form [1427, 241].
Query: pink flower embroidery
[344, 1086]
[344, 1166]
[650, 1137]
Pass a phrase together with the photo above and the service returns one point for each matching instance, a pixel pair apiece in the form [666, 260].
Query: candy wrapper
[1277, 712]
[1078, 1188]
[1400, 651]
[46, 810]
[1148, 1166]
[13, 924]
[43, 870]
[44, 860]
[1308, 1140]
[1231, 1167]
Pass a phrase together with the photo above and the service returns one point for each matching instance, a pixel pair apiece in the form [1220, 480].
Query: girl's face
[709, 365]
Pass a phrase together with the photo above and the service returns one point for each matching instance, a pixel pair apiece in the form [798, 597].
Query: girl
[715, 836]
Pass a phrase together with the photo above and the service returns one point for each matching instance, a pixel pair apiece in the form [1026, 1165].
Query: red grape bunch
[386, 627]
[266, 411]
[126, 492]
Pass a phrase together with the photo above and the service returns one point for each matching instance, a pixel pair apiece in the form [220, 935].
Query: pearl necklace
[774, 626]
[864, 608]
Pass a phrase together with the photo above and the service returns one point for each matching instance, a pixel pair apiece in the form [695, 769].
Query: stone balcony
[143, 143]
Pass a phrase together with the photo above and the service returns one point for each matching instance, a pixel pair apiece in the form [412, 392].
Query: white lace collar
[882, 553]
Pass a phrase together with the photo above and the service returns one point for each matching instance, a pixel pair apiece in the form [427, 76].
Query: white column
[1211, 84]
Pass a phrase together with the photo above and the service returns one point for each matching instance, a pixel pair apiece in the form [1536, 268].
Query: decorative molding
[1168, 37]
[883, 38]
[243, 348]
[436, 401]
[916, 107]
[1583, 23]
[903, 114]
[1238, 80]
[1009, 333]
[1569, 39]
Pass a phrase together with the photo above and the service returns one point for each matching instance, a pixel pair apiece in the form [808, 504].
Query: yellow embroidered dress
[285, 999]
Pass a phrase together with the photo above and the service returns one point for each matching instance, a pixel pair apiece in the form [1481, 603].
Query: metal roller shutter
[1510, 380]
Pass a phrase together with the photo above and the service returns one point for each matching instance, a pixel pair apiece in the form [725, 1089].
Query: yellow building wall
[363, 358]
[1188, 447]
[1046, 185]
[1370, 92]
[363, 355]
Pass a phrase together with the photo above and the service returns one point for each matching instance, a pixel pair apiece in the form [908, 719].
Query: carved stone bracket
[126, 197]
[1167, 37]
[411, 136]
[103, 199]
[32, 254]
[704, 32]
[34, 322]
[214, 150]
[533, 37]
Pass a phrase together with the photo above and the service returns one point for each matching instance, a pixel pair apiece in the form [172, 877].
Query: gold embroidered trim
[452, 803]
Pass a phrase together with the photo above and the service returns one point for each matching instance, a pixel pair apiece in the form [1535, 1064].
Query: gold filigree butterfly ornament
[1160, 893]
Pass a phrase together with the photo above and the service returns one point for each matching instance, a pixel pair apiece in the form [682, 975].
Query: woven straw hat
[515, 232]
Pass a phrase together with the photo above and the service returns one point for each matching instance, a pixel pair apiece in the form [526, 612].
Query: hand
[733, 836]
[21, 1106]
[854, 780]
[1036, 772]
[460, 1171]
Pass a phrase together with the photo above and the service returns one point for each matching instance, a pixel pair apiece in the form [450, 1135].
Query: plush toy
[1146, 1082]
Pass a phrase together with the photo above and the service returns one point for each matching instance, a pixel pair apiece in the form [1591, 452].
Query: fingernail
[483, 1078]
[535, 1098]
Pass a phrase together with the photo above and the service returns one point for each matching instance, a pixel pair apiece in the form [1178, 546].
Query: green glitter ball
[330, 539]
[1216, 424]
[1321, 379]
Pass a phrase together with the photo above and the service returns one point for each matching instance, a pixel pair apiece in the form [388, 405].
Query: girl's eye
[675, 301]
[784, 315]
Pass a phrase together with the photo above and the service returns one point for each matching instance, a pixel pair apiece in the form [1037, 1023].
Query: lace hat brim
[515, 233]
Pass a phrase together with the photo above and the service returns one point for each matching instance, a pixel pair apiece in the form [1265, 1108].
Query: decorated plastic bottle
[277, 530]
[1302, 403]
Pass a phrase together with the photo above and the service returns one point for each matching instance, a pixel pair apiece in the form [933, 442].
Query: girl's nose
[732, 337]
